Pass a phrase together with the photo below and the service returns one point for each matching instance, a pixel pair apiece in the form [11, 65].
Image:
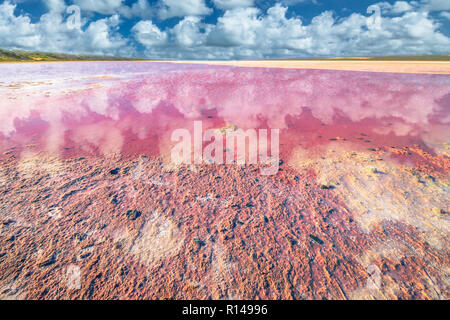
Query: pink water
[131, 108]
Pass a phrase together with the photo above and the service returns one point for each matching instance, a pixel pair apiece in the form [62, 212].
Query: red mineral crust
[93, 207]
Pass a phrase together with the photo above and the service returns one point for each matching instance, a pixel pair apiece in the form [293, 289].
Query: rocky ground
[347, 226]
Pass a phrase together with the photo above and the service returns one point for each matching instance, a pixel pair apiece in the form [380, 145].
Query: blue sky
[227, 29]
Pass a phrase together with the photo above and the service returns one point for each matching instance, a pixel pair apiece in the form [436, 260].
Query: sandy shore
[424, 67]
[419, 67]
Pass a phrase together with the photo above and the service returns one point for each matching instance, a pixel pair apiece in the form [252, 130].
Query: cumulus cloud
[422, 5]
[141, 9]
[294, 2]
[176, 8]
[232, 4]
[250, 33]
[55, 5]
[240, 31]
[149, 34]
[25, 33]
[187, 32]
[436, 5]
[53, 33]
[236, 28]
[100, 6]
[396, 8]
[98, 35]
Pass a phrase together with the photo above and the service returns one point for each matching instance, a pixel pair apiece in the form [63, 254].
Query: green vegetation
[29, 56]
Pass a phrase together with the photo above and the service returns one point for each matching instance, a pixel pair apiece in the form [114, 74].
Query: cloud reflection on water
[104, 105]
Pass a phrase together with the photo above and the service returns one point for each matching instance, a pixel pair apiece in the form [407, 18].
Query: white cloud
[100, 6]
[249, 33]
[236, 28]
[55, 5]
[243, 32]
[396, 8]
[436, 5]
[294, 2]
[401, 6]
[187, 32]
[100, 38]
[25, 33]
[52, 33]
[176, 8]
[149, 34]
[423, 5]
[232, 4]
[141, 9]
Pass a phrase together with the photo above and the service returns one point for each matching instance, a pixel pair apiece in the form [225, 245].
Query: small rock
[113, 199]
[316, 239]
[291, 240]
[372, 170]
[236, 206]
[114, 171]
[133, 214]
[438, 211]
[46, 261]
[7, 222]
[199, 242]
[79, 236]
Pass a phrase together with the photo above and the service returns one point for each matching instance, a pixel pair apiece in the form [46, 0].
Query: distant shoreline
[332, 59]
[9, 56]
[420, 67]
[66, 61]
[407, 67]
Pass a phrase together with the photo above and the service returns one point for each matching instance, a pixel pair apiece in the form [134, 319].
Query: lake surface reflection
[131, 108]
